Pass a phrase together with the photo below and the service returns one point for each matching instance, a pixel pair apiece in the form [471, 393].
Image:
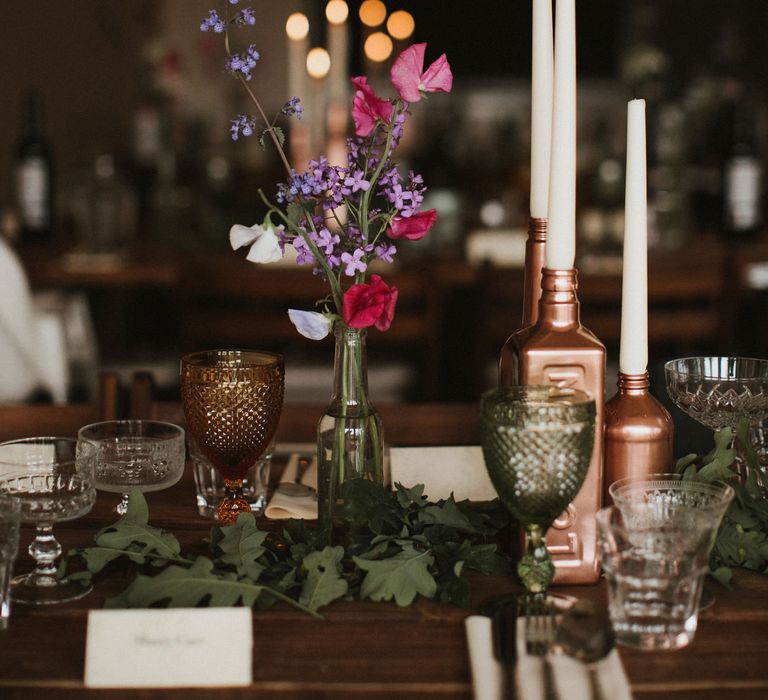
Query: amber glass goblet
[232, 403]
[537, 444]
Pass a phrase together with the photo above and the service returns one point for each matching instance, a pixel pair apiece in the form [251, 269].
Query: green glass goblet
[537, 443]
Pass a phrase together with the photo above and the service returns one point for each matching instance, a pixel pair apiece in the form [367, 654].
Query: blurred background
[119, 183]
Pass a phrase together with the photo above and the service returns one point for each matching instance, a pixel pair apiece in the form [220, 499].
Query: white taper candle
[633, 352]
[561, 233]
[541, 106]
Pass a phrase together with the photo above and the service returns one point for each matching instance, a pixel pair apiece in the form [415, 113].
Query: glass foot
[707, 599]
[25, 590]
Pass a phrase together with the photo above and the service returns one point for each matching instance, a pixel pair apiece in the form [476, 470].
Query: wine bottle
[33, 174]
[742, 177]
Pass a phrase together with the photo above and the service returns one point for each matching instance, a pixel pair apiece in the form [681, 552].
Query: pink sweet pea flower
[409, 80]
[412, 227]
[366, 305]
[367, 107]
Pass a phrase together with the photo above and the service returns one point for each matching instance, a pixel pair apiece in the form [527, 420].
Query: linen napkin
[281, 506]
[571, 676]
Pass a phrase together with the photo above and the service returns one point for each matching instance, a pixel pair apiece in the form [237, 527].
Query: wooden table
[361, 648]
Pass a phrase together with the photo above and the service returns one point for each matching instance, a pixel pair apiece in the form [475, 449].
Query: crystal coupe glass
[232, 403]
[147, 455]
[718, 391]
[53, 480]
[537, 443]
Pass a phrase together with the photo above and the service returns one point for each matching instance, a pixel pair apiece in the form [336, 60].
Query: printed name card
[443, 470]
[182, 647]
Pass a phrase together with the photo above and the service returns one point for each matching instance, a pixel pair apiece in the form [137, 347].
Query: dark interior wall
[83, 56]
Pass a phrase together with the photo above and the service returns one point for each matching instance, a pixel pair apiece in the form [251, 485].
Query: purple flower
[385, 251]
[243, 63]
[243, 124]
[246, 17]
[326, 241]
[356, 181]
[212, 21]
[293, 106]
[304, 254]
[353, 262]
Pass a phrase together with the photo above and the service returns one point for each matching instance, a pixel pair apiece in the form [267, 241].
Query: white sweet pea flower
[265, 248]
[310, 324]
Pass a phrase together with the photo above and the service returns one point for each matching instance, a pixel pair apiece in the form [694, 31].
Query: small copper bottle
[638, 432]
[558, 350]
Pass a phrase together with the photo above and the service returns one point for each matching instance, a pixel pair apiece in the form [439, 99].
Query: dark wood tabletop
[360, 648]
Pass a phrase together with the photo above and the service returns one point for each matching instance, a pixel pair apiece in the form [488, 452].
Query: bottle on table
[742, 177]
[33, 175]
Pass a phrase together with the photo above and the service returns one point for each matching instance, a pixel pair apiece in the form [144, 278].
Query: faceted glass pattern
[232, 403]
[718, 391]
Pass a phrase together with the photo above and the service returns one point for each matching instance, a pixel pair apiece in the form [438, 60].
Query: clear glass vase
[350, 439]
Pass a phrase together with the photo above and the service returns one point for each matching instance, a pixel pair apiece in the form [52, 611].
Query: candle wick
[634, 93]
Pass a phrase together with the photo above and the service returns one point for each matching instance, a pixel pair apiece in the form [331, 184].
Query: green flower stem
[332, 280]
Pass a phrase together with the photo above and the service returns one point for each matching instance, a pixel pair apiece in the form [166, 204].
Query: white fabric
[21, 365]
[571, 676]
[282, 507]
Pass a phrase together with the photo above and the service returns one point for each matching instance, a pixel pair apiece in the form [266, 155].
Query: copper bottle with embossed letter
[559, 350]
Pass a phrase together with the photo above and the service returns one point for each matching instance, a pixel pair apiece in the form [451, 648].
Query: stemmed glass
[537, 443]
[232, 403]
[146, 455]
[53, 479]
[719, 391]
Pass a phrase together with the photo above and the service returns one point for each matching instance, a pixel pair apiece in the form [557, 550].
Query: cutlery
[585, 633]
[503, 613]
[540, 627]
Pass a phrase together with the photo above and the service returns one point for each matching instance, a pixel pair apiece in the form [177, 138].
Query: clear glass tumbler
[654, 548]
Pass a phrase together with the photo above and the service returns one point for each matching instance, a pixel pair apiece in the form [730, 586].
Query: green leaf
[722, 575]
[684, 463]
[407, 497]
[295, 213]
[324, 582]
[197, 586]
[278, 132]
[447, 513]
[401, 577]
[240, 545]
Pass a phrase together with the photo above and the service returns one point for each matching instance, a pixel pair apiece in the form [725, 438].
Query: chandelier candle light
[558, 350]
[638, 429]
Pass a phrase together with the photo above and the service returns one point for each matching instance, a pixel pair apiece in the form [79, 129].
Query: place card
[443, 470]
[182, 647]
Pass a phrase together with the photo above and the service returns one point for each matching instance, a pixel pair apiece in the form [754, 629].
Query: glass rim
[213, 358]
[679, 365]
[175, 431]
[635, 484]
[539, 392]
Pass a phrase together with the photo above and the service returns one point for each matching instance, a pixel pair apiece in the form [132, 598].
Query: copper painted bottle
[534, 263]
[638, 433]
[558, 350]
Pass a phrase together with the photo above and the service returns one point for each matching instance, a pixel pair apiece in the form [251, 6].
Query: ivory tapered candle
[633, 352]
[541, 106]
[561, 236]
[336, 12]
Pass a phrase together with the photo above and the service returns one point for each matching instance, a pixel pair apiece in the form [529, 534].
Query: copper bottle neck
[559, 304]
[534, 262]
[634, 384]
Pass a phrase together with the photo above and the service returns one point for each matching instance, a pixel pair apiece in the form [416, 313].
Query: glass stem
[45, 550]
[535, 568]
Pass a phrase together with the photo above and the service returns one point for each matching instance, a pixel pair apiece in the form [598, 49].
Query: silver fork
[540, 627]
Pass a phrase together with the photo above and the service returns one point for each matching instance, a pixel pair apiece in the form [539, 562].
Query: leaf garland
[400, 547]
[742, 540]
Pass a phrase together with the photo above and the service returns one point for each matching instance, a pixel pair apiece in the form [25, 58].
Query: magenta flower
[371, 304]
[409, 80]
[412, 227]
[367, 107]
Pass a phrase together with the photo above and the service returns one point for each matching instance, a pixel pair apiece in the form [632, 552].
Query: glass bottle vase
[350, 438]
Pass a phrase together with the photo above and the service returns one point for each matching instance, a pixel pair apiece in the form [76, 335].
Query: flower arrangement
[340, 219]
